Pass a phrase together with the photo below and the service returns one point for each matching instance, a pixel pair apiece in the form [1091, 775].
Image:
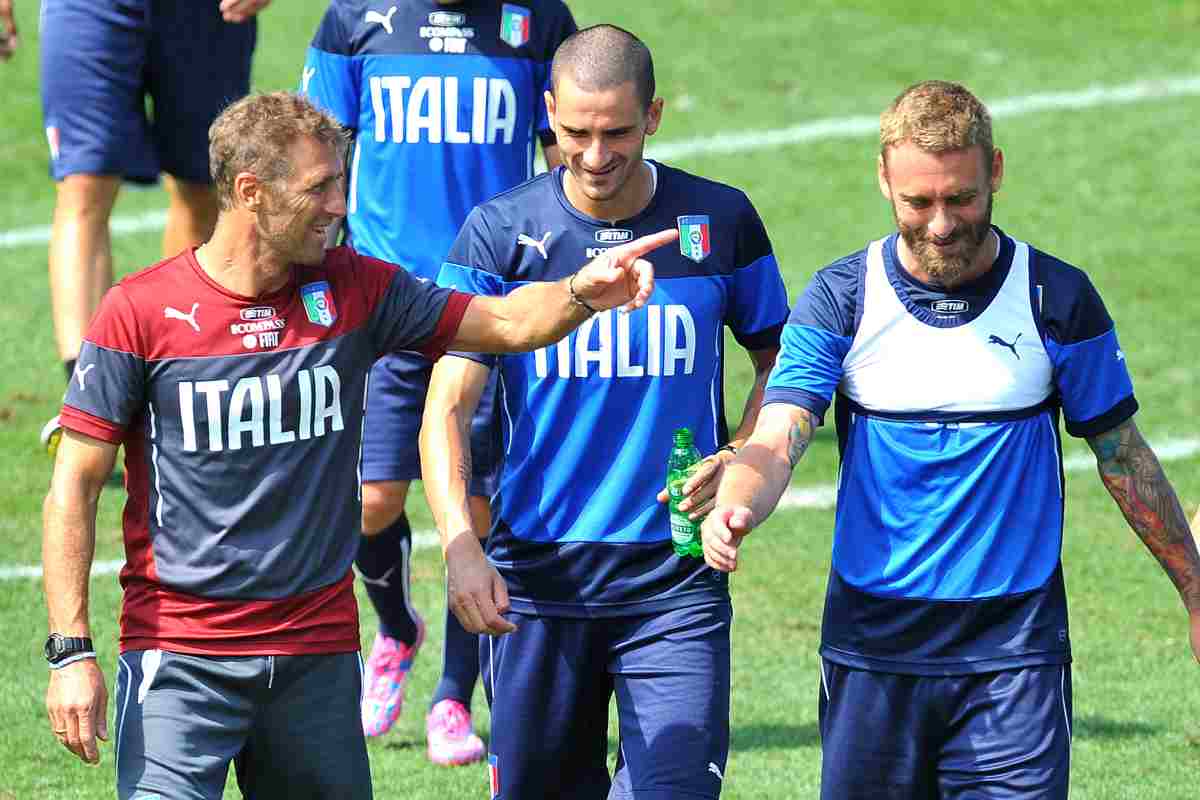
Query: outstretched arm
[1135, 479]
[757, 478]
[475, 591]
[542, 313]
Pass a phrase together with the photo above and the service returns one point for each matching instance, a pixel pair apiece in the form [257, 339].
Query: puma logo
[994, 339]
[715, 770]
[80, 374]
[383, 19]
[538, 244]
[190, 319]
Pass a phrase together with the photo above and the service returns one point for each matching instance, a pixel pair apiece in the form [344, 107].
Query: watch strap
[59, 648]
[71, 659]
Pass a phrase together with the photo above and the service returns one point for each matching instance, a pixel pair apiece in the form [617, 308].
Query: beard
[947, 268]
[287, 235]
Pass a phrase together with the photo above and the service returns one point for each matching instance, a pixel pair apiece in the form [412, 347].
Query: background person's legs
[80, 255]
[80, 266]
[191, 214]
[383, 561]
[91, 66]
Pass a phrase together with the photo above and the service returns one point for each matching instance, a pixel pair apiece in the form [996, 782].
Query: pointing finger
[639, 247]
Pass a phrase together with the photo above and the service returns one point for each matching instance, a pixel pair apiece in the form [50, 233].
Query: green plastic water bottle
[685, 532]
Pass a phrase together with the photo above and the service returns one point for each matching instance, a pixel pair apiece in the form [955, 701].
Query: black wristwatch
[59, 649]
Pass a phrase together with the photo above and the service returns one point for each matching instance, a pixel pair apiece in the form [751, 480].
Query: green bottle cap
[683, 437]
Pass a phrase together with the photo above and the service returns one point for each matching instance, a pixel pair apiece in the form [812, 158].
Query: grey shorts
[290, 725]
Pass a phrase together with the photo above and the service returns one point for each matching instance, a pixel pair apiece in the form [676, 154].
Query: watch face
[54, 646]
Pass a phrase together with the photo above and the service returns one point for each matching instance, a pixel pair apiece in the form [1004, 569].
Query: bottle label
[683, 529]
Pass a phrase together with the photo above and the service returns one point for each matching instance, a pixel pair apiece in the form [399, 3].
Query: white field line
[817, 497]
[741, 141]
[147, 222]
[845, 127]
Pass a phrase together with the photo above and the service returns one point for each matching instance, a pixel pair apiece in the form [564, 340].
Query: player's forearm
[68, 547]
[446, 467]
[760, 474]
[1135, 479]
[534, 315]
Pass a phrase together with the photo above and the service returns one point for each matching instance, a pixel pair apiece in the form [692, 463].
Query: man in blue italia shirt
[581, 591]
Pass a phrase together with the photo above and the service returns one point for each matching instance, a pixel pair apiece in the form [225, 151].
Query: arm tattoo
[464, 466]
[1131, 473]
[799, 437]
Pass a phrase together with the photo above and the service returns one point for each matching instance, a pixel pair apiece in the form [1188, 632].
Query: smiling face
[942, 202]
[296, 210]
[601, 135]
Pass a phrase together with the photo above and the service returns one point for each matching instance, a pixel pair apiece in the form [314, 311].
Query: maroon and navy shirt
[241, 419]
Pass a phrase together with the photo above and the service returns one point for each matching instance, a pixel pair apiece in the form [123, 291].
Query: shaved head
[603, 57]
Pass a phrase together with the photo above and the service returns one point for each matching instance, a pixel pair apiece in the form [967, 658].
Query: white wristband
[72, 659]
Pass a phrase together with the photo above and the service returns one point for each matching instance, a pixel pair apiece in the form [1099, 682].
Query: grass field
[1107, 184]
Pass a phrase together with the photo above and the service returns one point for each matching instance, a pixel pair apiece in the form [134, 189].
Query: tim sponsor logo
[447, 19]
[614, 235]
[258, 312]
[950, 306]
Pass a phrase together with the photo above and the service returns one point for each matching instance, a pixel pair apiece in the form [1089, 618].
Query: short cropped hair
[604, 56]
[937, 116]
[253, 135]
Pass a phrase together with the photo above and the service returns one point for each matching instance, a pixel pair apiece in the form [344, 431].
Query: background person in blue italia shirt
[445, 103]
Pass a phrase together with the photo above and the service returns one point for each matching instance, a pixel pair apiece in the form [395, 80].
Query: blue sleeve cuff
[798, 397]
[1105, 422]
[766, 339]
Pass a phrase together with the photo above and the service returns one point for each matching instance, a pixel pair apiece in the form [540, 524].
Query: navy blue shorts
[395, 402]
[549, 685]
[992, 736]
[102, 59]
